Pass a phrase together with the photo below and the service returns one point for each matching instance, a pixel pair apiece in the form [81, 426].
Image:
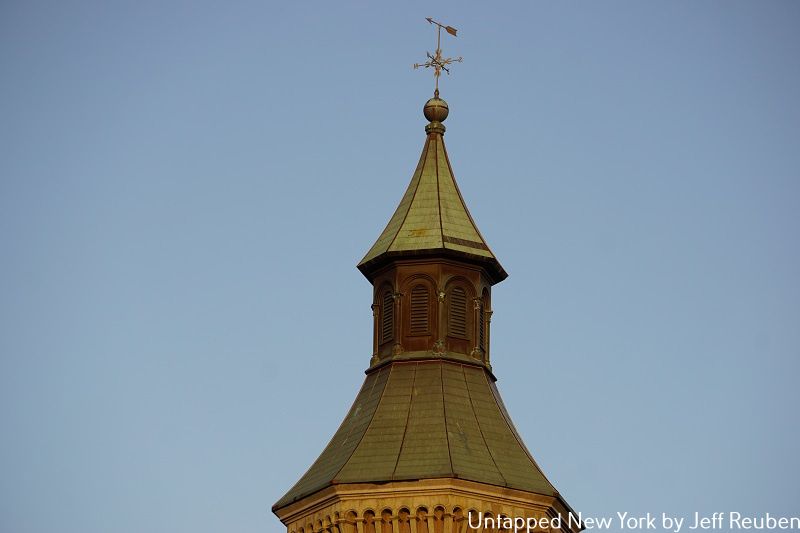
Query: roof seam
[301, 494]
[507, 418]
[466, 209]
[446, 425]
[480, 430]
[377, 406]
[418, 177]
[408, 417]
[439, 189]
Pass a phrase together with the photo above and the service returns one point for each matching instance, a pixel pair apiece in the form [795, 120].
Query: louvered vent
[387, 317]
[458, 313]
[482, 328]
[420, 308]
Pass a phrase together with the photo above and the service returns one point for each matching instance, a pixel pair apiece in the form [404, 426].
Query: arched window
[387, 317]
[457, 316]
[404, 521]
[420, 310]
[386, 521]
[438, 519]
[369, 522]
[350, 521]
[422, 520]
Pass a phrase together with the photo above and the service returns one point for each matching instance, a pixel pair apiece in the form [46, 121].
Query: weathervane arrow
[449, 29]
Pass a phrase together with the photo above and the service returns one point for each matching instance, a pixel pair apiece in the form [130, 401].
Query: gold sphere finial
[436, 109]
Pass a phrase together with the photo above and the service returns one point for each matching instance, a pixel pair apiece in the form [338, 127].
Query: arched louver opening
[420, 310]
[457, 319]
[482, 325]
[387, 317]
[483, 329]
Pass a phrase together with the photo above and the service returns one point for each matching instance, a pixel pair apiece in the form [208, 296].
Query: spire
[428, 438]
[432, 218]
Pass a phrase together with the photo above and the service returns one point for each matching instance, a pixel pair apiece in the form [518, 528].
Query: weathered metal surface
[425, 420]
[432, 215]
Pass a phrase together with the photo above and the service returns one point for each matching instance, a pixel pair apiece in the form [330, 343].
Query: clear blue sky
[186, 187]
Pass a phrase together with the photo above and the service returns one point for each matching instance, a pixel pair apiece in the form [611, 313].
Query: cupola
[431, 268]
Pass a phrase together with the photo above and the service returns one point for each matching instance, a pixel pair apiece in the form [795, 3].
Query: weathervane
[436, 60]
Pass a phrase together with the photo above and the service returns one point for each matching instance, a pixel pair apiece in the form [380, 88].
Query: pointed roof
[432, 217]
[425, 420]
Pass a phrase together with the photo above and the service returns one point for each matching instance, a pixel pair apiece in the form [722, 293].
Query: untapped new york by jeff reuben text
[625, 521]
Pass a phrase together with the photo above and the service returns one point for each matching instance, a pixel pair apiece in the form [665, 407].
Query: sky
[186, 188]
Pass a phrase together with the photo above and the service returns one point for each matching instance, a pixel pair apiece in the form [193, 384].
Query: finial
[436, 60]
[436, 111]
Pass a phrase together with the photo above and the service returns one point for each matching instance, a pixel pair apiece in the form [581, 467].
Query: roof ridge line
[418, 177]
[408, 417]
[463, 203]
[510, 424]
[446, 426]
[372, 418]
[439, 188]
[330, 442]
[480, 429]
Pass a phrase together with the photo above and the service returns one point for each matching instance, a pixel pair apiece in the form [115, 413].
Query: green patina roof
[424, 420]
[432, 216]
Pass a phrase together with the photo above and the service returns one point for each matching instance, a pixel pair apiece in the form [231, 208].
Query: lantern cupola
[431, 268]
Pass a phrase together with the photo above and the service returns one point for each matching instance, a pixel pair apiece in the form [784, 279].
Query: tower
[427, 440]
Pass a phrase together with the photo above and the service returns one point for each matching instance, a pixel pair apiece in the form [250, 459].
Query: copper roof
[432, 216]
[424, 420]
